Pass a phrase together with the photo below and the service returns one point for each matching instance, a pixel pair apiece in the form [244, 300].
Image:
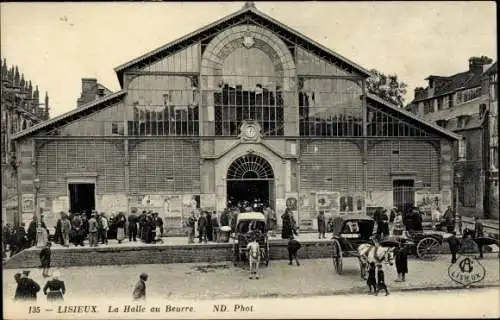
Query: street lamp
[40, 238]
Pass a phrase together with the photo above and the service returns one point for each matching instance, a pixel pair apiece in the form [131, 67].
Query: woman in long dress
[287, 228]
[120, 227]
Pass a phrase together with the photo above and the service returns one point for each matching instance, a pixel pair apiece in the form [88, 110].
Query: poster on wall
[112, 203]
[28, 203]
[446, 199]
[326, 200]
[172, 206]
[208, 201]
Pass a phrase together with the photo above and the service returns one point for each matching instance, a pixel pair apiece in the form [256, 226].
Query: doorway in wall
[403, 194]
[250, 177]
[81, 197]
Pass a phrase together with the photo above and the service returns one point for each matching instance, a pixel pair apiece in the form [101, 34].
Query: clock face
[251, 132]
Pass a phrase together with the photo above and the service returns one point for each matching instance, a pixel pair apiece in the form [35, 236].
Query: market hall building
[243, 108]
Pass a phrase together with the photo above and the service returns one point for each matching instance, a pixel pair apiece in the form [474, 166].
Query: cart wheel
[427, 248]
[337, 256]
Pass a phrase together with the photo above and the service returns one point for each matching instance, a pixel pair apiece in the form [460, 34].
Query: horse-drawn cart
[348, 234]
[250, 225]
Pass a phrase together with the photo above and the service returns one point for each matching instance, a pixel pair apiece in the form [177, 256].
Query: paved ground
[222, 280]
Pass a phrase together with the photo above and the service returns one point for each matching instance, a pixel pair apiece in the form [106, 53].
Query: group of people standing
[27, 289]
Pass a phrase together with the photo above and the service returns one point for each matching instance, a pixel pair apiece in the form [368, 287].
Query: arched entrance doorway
[250, 177]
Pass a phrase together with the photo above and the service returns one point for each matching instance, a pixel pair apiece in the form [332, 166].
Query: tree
[387, 87]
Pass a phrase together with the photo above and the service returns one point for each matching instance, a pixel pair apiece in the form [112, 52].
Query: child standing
[381, 281]
[372, 281]
[45, 259]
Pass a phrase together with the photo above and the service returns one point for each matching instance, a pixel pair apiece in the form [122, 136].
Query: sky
[57, 44]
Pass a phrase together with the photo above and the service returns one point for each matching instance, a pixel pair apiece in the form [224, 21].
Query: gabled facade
[243, 108]
[463, 104]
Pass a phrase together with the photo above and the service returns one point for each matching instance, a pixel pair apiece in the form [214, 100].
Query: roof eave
[44, 124]
[414, 117]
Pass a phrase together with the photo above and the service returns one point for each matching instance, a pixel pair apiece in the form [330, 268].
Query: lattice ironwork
[330, 107]
[163, 106]
[388, 124]
[249, 167]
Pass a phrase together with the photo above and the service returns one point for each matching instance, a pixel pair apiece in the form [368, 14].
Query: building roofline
[68, 114]
[429, 124]
[122, 68]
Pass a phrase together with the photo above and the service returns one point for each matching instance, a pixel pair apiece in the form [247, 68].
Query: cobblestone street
[222, 280]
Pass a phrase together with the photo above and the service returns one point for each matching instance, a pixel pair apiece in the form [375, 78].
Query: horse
[368, 253]
[254, 255]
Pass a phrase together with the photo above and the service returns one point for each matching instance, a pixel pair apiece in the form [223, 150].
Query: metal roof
[122, 68]
[73, 113]
[410, 115]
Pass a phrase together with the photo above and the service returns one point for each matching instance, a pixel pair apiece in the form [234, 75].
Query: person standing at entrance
[93, 228]
[209, 227]
[103, 228]
[202, 227]
[65, 229]
[321, 225]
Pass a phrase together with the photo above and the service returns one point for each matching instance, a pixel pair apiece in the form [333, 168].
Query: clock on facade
[251, 132]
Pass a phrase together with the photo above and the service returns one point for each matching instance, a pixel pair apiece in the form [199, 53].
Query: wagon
[424, 244]
[348, 234]
[249, 225]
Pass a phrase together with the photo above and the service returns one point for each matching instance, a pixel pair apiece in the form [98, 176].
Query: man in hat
[93, 229]
[54, 289]
[140, 288]
[132, 226]
[27, 288]
[45, 254]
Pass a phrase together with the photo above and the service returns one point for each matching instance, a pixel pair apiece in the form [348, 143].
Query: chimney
[420, 93]
[477, 64]
[89, 91]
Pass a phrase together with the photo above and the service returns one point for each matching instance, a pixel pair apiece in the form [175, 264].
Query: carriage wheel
[427, 248]
[337, 256]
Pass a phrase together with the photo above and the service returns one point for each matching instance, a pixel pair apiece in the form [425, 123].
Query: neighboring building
[243, 108]
[21, 109]
[91, 90]
[464, 104]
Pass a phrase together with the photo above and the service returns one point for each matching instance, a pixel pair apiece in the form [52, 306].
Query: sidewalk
[222, 280]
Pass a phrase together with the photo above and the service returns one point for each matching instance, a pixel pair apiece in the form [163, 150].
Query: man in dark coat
[293, 247]
[449, 219]
[224, 218]
[19, 241]
[132, 226]
[454, 244]
[478, 233]
[58, 232]
[27, 288]
[287, 225]
[321, 225]
[401, 261]
[54, 289]
[202, 227]
[140, 288]
[210, 229]
[45, 254]
[78, 232]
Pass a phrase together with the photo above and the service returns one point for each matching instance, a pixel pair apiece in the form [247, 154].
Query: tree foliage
[387, 87]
